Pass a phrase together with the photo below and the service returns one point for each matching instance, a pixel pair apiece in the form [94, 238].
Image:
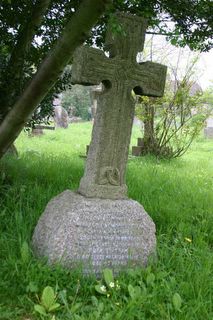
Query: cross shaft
[105, 169]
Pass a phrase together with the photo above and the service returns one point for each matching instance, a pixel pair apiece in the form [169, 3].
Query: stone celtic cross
[120, 73]
[99, 227]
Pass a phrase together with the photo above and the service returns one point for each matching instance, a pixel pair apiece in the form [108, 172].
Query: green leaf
[108, 276]
[134, 292]
[173, 41]
[161, 275]
[63, 297]
[32, 287]
[94, 301]
[100, 288]
[101, 307]
[131, 291]
[48, 297]
[177, 301]
[25, 252]
[77, 317]
[76, 307]
[150, 279]
[54, 307]
[40, 309]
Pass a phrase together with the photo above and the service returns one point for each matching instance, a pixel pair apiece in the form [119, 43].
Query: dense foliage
[77, 102]
[171, 123]
[28, 30]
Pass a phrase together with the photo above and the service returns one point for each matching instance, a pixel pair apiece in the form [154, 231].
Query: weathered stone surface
[209, 122]
[208, 131]
[90, 227]
[36, 132]
[44, 127]
[61, 118]
[141, 142]
[94, 232]
[137, 151]
[104, 175]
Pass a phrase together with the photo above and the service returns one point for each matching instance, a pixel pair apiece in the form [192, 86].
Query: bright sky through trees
[161, 48]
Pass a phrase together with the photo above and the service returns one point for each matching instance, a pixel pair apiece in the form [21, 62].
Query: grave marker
[61, 117]
[99, 227]
[208, 131]
[104, 175]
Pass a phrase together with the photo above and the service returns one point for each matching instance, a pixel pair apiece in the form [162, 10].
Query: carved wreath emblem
[110, 175]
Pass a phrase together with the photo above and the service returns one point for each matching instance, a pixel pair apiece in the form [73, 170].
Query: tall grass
[178, 195]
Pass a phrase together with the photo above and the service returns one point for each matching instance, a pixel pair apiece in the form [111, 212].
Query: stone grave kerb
[104, 175]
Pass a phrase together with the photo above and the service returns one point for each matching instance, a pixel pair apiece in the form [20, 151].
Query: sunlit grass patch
[178, 195]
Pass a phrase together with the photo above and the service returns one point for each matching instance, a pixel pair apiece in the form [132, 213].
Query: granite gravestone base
[94, 233]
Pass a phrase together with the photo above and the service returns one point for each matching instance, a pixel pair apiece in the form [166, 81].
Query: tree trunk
[74, 35]
[149, 135]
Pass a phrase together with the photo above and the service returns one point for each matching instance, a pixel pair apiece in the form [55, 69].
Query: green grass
[177, 194]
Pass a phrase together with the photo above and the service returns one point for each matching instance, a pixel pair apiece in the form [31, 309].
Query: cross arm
[91, 66]
[151, 77]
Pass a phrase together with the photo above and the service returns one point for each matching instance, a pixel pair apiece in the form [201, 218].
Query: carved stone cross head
[120, 73]
[128, 40]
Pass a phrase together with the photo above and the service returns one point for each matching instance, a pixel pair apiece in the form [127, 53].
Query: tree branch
[26, 35]
[16, 63]
[74, 35]
[160, 33]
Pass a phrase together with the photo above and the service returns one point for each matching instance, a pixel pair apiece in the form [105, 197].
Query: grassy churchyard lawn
[177, 194]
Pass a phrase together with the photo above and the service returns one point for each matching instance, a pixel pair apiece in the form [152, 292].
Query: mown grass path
[177, 194]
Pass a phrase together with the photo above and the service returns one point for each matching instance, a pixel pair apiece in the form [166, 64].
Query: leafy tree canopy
[28, 30]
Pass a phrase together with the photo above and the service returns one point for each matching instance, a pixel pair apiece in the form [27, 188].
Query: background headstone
[138, 150]
[36, 132]
[61, 117]
[208, 131]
